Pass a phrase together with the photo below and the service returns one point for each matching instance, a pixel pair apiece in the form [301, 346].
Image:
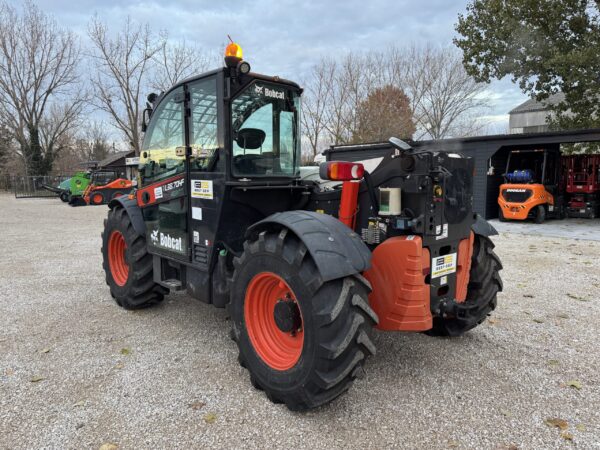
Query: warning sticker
[158, 192]
[202, 189]
[441, 231]
[443, 265]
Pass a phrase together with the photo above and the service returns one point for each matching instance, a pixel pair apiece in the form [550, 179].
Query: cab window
[265, 138]
[163, 153]
[203, 129]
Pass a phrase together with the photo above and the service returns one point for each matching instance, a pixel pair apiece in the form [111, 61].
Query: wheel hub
[287, 315]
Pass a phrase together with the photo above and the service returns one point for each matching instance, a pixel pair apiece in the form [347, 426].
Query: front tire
[501, 217]
[303, 341]
[127, 263]
[97, 198]
[484, 285]
[540, 214]
[64, 197]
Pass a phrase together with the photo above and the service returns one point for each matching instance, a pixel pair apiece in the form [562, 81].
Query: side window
[203, 128]
[286, 143]
[165, 133]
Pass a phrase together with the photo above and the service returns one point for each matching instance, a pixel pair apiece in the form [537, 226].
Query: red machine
[582, 185]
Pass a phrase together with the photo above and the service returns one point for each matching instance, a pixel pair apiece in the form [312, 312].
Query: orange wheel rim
[119, 268]
[278, 349]
[97, 198]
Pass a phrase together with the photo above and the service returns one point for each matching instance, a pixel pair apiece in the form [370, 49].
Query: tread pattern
[341, 326]
[140, 291]
[484, 285]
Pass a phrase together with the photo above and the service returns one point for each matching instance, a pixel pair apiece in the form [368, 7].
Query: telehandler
[305, 268]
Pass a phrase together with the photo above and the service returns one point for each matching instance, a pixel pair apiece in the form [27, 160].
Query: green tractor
[74, 186]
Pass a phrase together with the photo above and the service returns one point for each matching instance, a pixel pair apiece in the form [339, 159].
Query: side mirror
[146, 118]
[399, 144]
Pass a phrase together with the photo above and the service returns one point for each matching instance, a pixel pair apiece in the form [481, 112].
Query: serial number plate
[443, 265]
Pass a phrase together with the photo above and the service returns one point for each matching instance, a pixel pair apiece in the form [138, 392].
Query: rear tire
[64, 197]
[335, 319]
[484, 285]
[540, 214]
[127, 263]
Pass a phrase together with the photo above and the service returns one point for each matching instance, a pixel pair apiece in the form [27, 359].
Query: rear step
[172, 284]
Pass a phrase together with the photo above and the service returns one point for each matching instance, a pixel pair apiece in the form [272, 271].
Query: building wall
[528, 122]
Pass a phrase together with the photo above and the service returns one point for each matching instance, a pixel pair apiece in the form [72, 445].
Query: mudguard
[483, 227]
[336, 250]
[134, 211]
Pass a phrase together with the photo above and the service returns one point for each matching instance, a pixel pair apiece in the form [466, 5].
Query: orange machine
[532, 186]
[101, 195]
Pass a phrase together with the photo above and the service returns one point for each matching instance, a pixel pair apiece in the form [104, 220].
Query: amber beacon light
[233, 58]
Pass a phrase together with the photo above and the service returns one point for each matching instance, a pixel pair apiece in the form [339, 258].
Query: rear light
[341, 171]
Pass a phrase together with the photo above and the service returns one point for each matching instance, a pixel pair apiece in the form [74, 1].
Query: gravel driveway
[76, 371]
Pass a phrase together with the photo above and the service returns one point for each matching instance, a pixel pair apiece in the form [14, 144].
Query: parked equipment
[305, 268]
[582, 184]
[532, 186]
[104, 186]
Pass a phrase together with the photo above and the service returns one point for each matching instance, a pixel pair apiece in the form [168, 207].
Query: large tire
[484, 285]
[540, 214]
[97, 198]
[329, 342]
[127, 263]
[501, 217]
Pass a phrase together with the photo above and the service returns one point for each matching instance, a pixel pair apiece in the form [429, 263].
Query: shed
[490, 154]
[118, 162]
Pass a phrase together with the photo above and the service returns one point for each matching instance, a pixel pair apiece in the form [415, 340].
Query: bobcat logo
[154, 236]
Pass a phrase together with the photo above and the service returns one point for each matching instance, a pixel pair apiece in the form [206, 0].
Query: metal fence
[6, 182]
[36, 187]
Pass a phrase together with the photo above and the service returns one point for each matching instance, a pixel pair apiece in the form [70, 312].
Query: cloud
[287, 37]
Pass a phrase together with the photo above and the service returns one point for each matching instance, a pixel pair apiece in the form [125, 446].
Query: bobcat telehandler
[305, 268]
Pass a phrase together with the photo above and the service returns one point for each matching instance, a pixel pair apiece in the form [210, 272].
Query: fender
[483, 227]
[134, 211]
[336, 250]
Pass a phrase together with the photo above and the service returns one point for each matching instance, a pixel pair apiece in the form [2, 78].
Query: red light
[341, 171]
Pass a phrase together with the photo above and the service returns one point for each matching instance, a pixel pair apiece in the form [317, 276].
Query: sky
[285, 38]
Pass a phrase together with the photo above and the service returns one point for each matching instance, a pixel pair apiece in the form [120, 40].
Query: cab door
[163, 168]
[206, 167]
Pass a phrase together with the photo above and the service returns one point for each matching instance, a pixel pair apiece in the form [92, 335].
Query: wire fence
[34, 187]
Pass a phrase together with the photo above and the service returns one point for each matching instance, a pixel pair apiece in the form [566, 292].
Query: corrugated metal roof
[533, 105]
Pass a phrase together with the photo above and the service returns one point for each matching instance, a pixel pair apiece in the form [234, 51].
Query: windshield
[265, 131]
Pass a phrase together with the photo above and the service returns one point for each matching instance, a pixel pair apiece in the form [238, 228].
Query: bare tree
[175, 62]
[121, 66]
[444, 98]
[38, 74]
[314, 105]
[93, 143]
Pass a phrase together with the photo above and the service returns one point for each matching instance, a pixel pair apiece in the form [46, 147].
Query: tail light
[341, 171]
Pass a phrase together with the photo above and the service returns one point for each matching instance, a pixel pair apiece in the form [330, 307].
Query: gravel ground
[168, 377]
[586, 229]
